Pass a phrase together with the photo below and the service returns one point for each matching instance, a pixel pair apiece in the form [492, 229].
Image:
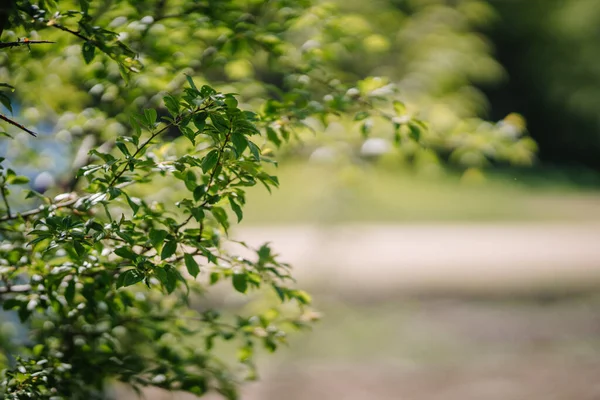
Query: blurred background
[445, 275]
[439, 281]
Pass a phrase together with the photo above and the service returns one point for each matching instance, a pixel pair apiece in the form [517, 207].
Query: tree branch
[36, 211]
[25, 42]
[72, 32]
[18, 125]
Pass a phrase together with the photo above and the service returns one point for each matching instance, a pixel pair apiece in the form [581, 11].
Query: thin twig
[72, 32]
[18, 125]
[188, 219]
[36, 211]
[212, 176]
[25, 42]
[122, 171]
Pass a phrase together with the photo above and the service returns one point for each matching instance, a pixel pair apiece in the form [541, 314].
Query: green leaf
[245, 353]
[23, 312]
[172, 277]
[209, 341]
[161, 274]
[79, 249]
[280, 292]
[221, 216]
[5, 100]
[10, 304]
[85, 5]
[199, 191]
[194, 384]
[239, 142]
[254, 150]
[88, 51]
[17, 180]
[236, 209]
[220, 123]
[250, 116]
[129, 277]
[207, 91]
[134, 207]
[33, 193]
[301, 296]
[272, 136]
[172, 104]
[126, 252]
[200, 121]
[231, 102]
[157, 237]
[210, 160]
[124, 73]
[168, 250]
[197, 213]
[150, 115]
[123, 148]
[70, 292]
[240, 282]
[399, 108]
[188, 133]
[270, 344]
[114, 192]
[190, 180]
[415, 131]
[191, 82]
[191, 265]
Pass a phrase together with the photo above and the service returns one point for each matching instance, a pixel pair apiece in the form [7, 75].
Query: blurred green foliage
[433, 54]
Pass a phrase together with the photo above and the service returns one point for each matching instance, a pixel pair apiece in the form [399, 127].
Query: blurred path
[438, 257]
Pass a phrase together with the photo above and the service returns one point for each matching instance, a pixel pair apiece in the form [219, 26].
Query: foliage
[130, 101]
[434, 56]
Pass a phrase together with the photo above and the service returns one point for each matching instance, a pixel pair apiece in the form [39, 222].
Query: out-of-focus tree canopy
[433, 54]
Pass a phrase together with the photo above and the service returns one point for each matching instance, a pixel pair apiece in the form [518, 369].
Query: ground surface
[507, 311]
[425, 257]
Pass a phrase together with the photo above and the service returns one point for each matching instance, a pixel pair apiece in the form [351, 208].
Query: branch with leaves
[153, 244]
